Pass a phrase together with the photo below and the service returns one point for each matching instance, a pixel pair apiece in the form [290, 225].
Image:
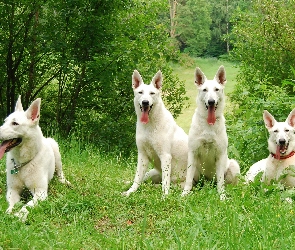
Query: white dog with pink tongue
[31, 158]
[207, 139]
[160, 141]
[280, 164]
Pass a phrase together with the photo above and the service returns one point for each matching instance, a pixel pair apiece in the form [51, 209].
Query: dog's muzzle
[211, 103]
[283, 146]
[145, 106]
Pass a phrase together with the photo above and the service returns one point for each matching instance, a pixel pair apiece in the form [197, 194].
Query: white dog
[207, 140]
[280, 164]
[159, 140]
[31, 159]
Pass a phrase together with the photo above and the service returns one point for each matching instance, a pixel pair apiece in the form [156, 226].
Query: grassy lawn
[93, 214]
[209, 67]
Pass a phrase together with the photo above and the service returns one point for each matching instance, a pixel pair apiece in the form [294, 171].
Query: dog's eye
[15, 123]
[204, 90]
[216, 89]
[287, 130]
[140, 92]
[152, 93]
[276, 131]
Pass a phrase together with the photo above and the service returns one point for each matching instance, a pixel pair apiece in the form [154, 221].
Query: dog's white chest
[281, 170]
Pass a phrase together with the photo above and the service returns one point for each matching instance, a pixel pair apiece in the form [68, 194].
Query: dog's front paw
[223, 197]
[126, 193]
[22, 214]
[185, 193]
[289, 200]
[64, 181]
[9, 210]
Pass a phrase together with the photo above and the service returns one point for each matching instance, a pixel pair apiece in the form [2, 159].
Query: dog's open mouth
[211, 119]
[145, 109]
[8, 145]
[281, 150]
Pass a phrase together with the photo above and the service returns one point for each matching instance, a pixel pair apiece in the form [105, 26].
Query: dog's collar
[16, 167]
[283, 157]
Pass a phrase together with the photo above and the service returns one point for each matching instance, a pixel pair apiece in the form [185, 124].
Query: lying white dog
[31, 159]
[207, 138]
[280, 164]
[159, 140]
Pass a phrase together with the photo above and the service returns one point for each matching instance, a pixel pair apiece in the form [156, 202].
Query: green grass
[93, 214]
[209, 66]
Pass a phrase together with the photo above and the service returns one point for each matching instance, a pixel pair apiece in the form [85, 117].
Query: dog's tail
[232, 172]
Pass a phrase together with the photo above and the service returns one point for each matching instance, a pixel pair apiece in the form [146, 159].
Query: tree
[78, 56]
[263, 40]
[193, 26]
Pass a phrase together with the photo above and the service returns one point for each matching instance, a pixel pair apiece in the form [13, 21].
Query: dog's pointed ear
[33, 112]
[220, 76]
[136, 79]
[157, 80]
[18, 105]
[200, 78]
[291, 118]
[269, 120]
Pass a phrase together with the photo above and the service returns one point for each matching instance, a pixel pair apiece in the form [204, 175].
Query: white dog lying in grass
[280, 164]
[31, 158]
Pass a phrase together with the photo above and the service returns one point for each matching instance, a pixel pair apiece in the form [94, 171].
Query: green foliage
[193, 26]
[203, 27]
[220, 28]
[263, 39]
[78, 56]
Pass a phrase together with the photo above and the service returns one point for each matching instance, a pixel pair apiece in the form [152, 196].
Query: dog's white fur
[159, 139]
[281, 144]
[207, 139]
[35, 158]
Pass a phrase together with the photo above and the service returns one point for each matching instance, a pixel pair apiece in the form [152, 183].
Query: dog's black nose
[282, 141]
[211, 102]
[145, 103]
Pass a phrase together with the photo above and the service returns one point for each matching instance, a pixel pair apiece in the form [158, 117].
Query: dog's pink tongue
[3, 147]
[278, 153]
[144, 117]
[211, 115]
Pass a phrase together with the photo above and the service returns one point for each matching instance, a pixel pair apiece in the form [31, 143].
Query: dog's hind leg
[232, 172]
[58, 163]
[142, 165]
[154, 175]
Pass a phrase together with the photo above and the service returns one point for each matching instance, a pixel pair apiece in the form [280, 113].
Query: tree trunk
[173, 5]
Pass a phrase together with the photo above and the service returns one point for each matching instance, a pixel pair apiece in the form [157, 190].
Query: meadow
[92, 213]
